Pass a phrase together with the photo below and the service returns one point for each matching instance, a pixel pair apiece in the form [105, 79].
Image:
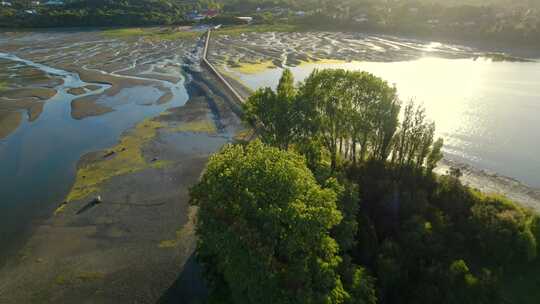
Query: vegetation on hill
[502, 22]
[96, 13]
[336, 202]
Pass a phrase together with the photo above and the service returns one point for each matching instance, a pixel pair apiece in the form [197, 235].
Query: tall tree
[272, 114]
[328, 107]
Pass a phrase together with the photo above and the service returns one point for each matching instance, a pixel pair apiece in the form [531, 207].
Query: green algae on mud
[152, 34]
[126, 157]
[202, 126]
[242, 29]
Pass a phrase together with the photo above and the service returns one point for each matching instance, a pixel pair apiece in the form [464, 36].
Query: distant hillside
[95, 13]
[501, 3]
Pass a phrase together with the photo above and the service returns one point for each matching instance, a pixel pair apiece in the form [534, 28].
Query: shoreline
[494, 183]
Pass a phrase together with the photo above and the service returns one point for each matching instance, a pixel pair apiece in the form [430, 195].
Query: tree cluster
[336, 202]
[354, 115]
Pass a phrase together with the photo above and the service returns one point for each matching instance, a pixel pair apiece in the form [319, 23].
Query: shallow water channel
[38, 160]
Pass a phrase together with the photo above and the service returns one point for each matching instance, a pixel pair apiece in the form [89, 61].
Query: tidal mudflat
[64, 94]
[131, 120]
[475, 97]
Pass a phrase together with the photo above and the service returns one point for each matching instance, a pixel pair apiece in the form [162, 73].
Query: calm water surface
[487, 112]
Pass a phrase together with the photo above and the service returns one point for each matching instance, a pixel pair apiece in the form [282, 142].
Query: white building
[245, 19]
[361, 19]
[54, 2]
[5, 3]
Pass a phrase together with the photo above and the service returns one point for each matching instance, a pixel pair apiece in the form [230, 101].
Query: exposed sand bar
[87, 106]
[9, 121]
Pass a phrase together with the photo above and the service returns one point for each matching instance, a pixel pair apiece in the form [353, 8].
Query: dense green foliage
[97, 13]
[398, 234]
[264, 227]
[354, 115]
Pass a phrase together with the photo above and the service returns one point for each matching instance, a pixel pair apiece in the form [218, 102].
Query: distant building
[300, 13]
[5, 3]
[211, 13]
[361, 18]
[54, 2]
[245, 19]
[35, 3]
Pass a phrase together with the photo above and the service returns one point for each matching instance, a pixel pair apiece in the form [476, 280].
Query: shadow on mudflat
[188, 288]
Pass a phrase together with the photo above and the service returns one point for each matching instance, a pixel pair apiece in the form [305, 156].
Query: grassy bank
[260, 28]
[152, 33]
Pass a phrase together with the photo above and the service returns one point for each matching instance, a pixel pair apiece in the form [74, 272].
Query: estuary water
[38, 160]
[487, 112]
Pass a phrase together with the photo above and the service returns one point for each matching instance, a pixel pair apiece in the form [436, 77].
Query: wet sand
[86, 107]
[252, 52]
[76, 91]
[132, 247]
[22, 89]
[9, 121]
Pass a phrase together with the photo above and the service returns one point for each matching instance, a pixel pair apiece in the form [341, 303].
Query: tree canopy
[340, 205]
[264, 224]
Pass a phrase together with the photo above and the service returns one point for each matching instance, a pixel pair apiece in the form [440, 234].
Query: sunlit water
[38, 160]
[487, 112]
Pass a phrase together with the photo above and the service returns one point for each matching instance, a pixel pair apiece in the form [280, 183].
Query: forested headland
[497, 22]
[337, 202]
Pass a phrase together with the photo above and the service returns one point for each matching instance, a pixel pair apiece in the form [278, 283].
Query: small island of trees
[337, 202]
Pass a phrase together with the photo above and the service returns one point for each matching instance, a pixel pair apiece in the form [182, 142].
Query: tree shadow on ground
[189, 287]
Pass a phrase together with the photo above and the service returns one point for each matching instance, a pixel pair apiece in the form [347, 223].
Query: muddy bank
[9, 122]
[11, 109]
[76, 91]
[23, 88]
[117, 83]
[132, 247]
[254, 52]
[490, 182]
[86, 107]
